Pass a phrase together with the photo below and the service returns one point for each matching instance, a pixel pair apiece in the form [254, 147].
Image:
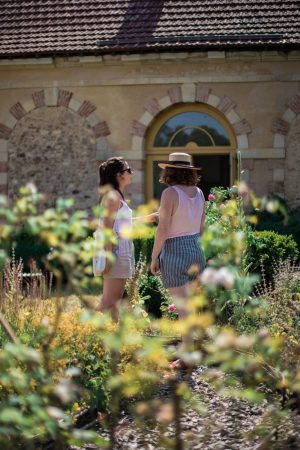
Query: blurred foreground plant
[137, 361]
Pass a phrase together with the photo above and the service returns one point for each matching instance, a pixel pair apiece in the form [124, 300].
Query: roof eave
[143, 49]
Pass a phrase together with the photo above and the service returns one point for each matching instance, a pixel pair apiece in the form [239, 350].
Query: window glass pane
[200, 137]
[192, 119]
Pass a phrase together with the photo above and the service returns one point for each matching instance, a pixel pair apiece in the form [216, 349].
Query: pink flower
[211, 197]
[222, 205]
[171, 308]
[243, 189]
[173, 365]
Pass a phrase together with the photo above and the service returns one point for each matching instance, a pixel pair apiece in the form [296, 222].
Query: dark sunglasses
[129, 170]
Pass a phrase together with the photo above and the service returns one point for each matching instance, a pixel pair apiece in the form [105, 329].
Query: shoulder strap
[201, 194]
[179, 193]
[177, 189]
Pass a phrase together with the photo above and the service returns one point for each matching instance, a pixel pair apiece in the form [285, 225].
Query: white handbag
[99, 258]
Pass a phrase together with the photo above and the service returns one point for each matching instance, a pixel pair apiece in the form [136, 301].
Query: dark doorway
[215, 171]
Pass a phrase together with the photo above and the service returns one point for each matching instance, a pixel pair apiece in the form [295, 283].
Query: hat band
[179, 163]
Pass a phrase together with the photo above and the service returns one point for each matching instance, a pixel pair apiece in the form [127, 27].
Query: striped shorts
[181, 260]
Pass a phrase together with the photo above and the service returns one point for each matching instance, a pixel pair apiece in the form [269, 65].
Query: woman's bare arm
[202, 224]
[149, 218]
[168, 202]
[111, 202]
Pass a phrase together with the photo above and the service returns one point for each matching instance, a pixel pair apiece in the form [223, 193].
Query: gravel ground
[225, 426]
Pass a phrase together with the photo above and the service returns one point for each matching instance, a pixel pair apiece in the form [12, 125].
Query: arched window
[198, 129]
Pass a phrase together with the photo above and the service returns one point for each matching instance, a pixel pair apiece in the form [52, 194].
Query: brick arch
[191, 93]
[281, 125]
[50, 97]
[287, 174]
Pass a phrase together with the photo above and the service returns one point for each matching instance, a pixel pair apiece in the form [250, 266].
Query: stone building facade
[61, 115]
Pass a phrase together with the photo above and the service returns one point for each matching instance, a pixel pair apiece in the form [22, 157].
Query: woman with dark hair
[177, 252]
[116, 174]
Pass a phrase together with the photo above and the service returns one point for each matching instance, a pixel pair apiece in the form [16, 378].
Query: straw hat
[179, 161]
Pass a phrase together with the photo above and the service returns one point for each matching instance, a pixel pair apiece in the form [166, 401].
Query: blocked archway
[281, 125]
[54, 140]
[286, 131]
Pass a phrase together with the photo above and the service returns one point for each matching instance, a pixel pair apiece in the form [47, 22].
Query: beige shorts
[123, 267]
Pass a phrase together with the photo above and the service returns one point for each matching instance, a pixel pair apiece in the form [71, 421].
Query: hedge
[269, 248]
[275, 222]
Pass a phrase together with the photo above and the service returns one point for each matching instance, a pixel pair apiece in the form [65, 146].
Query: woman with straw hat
[177, 252]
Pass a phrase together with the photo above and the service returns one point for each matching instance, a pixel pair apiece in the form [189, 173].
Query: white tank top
[123, 219]
[187, 218]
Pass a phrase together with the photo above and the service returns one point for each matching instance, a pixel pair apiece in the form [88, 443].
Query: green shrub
[275, 222]
[149, 288]
[268, 248]
[29, 247]
[143, 245]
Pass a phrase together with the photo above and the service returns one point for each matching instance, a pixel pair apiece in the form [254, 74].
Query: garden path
[227, 425]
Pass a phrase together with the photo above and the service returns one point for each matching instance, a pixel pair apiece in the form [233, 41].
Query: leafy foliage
[269, 248]
[289, 225]
[62, 354]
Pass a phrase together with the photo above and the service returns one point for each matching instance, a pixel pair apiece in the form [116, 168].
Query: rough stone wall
[292, 165]
[55, 149]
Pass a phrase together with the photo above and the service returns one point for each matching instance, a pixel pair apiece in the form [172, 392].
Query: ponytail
[102, 173]
[108, 171]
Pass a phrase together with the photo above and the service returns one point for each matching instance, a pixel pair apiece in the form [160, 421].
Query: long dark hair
[108, 171]
[171, 176]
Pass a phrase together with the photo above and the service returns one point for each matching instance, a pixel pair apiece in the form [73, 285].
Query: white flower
[225, 278]
[209, 277]
[240, 236]
[45, 322]
[193, 358]
[271, 206]
[221, 277]
[55, 413]
[31, 187]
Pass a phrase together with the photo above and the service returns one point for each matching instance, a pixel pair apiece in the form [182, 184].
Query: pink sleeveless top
[187, 218]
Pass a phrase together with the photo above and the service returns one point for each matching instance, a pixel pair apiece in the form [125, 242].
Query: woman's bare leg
[113, 290]
[180, 296]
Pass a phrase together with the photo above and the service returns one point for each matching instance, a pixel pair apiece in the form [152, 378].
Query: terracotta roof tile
[50, 27]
